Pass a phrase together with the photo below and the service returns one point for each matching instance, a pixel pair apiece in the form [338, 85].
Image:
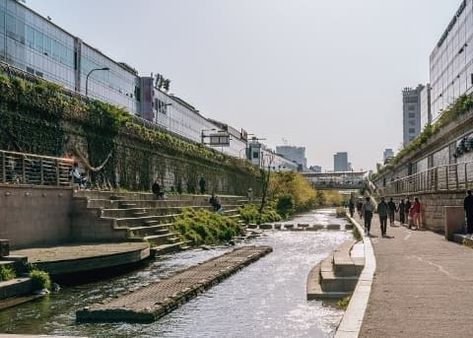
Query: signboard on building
[219, 140]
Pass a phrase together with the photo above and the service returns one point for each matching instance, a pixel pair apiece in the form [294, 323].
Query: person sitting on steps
[156, 189]
[215, 203]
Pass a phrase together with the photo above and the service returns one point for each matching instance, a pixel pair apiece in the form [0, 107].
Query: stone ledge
[350, 325]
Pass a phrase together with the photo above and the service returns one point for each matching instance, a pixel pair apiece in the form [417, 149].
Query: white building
[293, 153]
[425, 107]
[264, 157]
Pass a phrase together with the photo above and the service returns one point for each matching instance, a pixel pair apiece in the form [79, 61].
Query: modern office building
[411, 109]
[30, 42]
[388, 154]
[340, 162]
[425, 107]
[451, 61]
[295, 154]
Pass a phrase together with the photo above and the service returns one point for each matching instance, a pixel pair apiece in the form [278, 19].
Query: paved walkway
[78, 251]
[423, 286]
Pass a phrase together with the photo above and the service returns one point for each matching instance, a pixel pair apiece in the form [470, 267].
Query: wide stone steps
[337, 275]
[161, 211]
[147, 230]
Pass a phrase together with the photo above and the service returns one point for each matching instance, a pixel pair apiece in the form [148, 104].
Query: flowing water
[265, 299]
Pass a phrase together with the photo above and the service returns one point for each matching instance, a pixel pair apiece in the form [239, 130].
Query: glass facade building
[32, 43]
[451, 61]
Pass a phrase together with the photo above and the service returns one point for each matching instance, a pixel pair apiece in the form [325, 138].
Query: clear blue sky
[320, 73]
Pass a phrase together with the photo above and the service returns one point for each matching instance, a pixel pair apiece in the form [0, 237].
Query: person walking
[407, 210]
[359, 207]
[402, 212]
[351, 207]
[415, 214]
[391, 211]
[367, 212]
[383, 210]
[202, 184]
[468, 206]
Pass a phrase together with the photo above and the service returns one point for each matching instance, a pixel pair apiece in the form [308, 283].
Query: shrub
[6, 273]
[249, 213]
[40, 280]
[285, 205]
[205, 227]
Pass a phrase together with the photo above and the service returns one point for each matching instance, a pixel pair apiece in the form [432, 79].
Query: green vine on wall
[40, 117]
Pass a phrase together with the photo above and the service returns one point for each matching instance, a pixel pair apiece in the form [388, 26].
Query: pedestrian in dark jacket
[402, 212]
[351, 207]
[383, 210]
[367, 212]
[468, 205]
[407, 208]
[391, 211]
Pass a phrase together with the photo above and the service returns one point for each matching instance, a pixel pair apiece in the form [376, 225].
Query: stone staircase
[112, 216]
[337, 275]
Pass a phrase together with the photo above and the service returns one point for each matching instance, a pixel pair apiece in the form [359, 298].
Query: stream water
[265, 299]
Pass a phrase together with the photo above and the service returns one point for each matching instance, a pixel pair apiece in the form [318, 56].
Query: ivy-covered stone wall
[41, 118]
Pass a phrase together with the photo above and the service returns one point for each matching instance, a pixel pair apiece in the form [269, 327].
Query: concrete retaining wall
[433, 208]
[35, 216]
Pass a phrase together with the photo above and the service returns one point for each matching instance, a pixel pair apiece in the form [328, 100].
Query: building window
[412, 130]
[412, 123]
[412, 115]
[411, 107]
[255, 154]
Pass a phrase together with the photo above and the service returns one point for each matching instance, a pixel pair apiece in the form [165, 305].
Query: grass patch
[250, 215]
[40, 280]
[205, 227]
[342, 304]
[6, 273]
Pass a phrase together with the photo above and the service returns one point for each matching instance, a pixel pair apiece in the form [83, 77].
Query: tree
[266, 164]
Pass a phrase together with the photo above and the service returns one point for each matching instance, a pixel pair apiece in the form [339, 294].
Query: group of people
[407, 210]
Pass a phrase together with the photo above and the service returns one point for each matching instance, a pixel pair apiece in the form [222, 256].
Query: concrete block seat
[336, 276]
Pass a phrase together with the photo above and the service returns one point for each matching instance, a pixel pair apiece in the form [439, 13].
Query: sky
[324, 74]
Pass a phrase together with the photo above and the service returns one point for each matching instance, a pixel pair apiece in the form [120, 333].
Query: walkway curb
[350, 325]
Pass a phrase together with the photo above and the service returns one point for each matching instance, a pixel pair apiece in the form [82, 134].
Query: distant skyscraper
[387, 155]
[296, 154]
[411, 107]
[340, 162]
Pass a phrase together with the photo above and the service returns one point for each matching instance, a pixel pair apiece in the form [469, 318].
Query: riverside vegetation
[289, 193]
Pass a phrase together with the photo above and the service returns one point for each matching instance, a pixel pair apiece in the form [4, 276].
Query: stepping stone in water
[266, 226]
[289, 226]
[333, 226]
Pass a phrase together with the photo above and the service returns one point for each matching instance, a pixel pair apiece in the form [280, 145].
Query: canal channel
[265, 299]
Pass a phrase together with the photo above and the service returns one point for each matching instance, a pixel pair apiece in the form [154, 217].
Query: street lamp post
[87, 79]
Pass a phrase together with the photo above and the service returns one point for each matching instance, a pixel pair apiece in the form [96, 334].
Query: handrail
[451, 177]
[23, 168]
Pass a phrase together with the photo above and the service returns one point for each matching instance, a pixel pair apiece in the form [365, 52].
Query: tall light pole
[87, 79]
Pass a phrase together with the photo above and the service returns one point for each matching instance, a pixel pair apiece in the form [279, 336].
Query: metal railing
[452, 177]
[21, 168]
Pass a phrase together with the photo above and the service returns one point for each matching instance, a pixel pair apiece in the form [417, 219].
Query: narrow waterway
[265, 299]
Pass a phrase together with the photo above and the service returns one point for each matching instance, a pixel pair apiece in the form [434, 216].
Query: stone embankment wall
[36, 216]
[40, 118]
[433, 207]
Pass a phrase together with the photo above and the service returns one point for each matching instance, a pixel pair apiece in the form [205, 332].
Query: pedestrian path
[423, 286]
